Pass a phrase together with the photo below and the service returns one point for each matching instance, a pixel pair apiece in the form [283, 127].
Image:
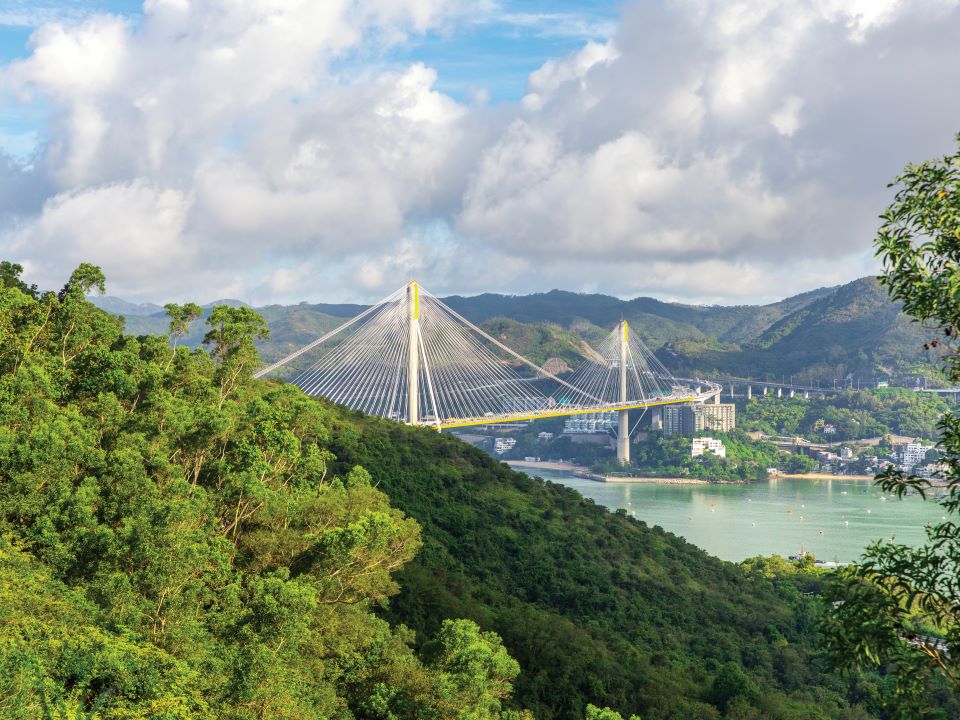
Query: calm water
[833, 519]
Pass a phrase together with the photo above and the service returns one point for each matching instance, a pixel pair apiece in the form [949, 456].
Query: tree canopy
[899, 608]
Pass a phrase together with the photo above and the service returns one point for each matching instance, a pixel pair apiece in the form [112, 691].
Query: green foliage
[898, 608]
[181, 317]
[595, 713]
[746, 459]
[856, 414]
[181, 541]
[175, 544]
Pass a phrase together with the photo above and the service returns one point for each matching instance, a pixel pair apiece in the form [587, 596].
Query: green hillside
[855, 329]
[180, 541]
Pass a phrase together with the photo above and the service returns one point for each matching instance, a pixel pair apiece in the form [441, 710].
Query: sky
[709, 151]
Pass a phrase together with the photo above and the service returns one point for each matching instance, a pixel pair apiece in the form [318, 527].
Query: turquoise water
[833, 519]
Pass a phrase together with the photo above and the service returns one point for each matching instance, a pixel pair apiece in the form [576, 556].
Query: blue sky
[493, 56]
[496, 53]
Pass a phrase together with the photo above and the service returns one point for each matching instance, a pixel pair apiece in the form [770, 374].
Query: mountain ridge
[819, 335]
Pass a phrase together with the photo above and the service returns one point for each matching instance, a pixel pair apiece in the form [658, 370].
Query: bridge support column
[779, 392]
[413, 353]
[791, 392]
[623, 428]
[765, 391]
[716, 398]
[749, 392]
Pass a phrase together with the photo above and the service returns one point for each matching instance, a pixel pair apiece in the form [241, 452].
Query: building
[914, 453]
[697, 418]
[701, 445]
[502, 445]
[673, 420]
[545, 436]
[590, 423]
[719, 417]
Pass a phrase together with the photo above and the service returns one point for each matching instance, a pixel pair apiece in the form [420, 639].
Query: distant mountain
[817, 336]
[118, 306]
[855, 329]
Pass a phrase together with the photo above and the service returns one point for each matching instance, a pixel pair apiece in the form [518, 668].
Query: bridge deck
[558, 411]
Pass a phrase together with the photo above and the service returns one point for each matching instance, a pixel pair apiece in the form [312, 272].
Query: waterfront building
[913, 454]
[701, 445]
[590, 423]
[503, 444]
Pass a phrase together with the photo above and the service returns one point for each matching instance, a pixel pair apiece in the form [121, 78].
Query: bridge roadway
[566, 411]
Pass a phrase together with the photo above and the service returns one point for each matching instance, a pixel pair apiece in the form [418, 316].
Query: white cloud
[746, 140]
[134, 226]
[708, 148]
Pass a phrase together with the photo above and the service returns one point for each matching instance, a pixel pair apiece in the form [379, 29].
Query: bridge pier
[623, 428]
[749, 392]
[791, 392]
[765, 388]
[779, 392]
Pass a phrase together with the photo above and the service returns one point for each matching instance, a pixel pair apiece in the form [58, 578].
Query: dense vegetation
[180, 541]
[899, 608]
[175, 543]
[745, 459]
[855, 414]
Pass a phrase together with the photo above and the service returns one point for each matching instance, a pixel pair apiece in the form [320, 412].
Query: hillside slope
[853, 330]
[221, 554]
[590, 601]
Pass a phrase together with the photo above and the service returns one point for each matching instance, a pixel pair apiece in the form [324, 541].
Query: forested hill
[178, 540]
[818, 336]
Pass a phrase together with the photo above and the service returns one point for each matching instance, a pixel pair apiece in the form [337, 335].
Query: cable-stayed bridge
[412, 359]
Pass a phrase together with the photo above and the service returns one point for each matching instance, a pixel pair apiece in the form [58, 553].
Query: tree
[899, 607]
[232, 333]
[477, 670]
[181, 317]
[10, 278]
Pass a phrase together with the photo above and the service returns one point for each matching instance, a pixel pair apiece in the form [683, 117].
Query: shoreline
[661, 480]
[588, 474]
[546, 465]
[820, 476]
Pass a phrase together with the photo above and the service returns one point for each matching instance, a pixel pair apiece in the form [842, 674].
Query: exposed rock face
[556, 366]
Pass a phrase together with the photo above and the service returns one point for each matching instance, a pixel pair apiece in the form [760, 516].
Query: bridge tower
[623, 430]
[413, 353]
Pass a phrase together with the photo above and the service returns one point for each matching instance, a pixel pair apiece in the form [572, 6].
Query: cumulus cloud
[751, 139]
[709, 149]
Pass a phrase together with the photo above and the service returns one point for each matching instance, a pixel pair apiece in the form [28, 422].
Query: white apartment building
[702, 445]
[914, 453]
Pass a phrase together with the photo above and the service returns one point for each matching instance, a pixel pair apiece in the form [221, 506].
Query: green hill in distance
[820, 336]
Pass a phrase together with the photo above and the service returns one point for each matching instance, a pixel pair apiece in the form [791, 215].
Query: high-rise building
[698, 417]
[720, 417]
[673, 420]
